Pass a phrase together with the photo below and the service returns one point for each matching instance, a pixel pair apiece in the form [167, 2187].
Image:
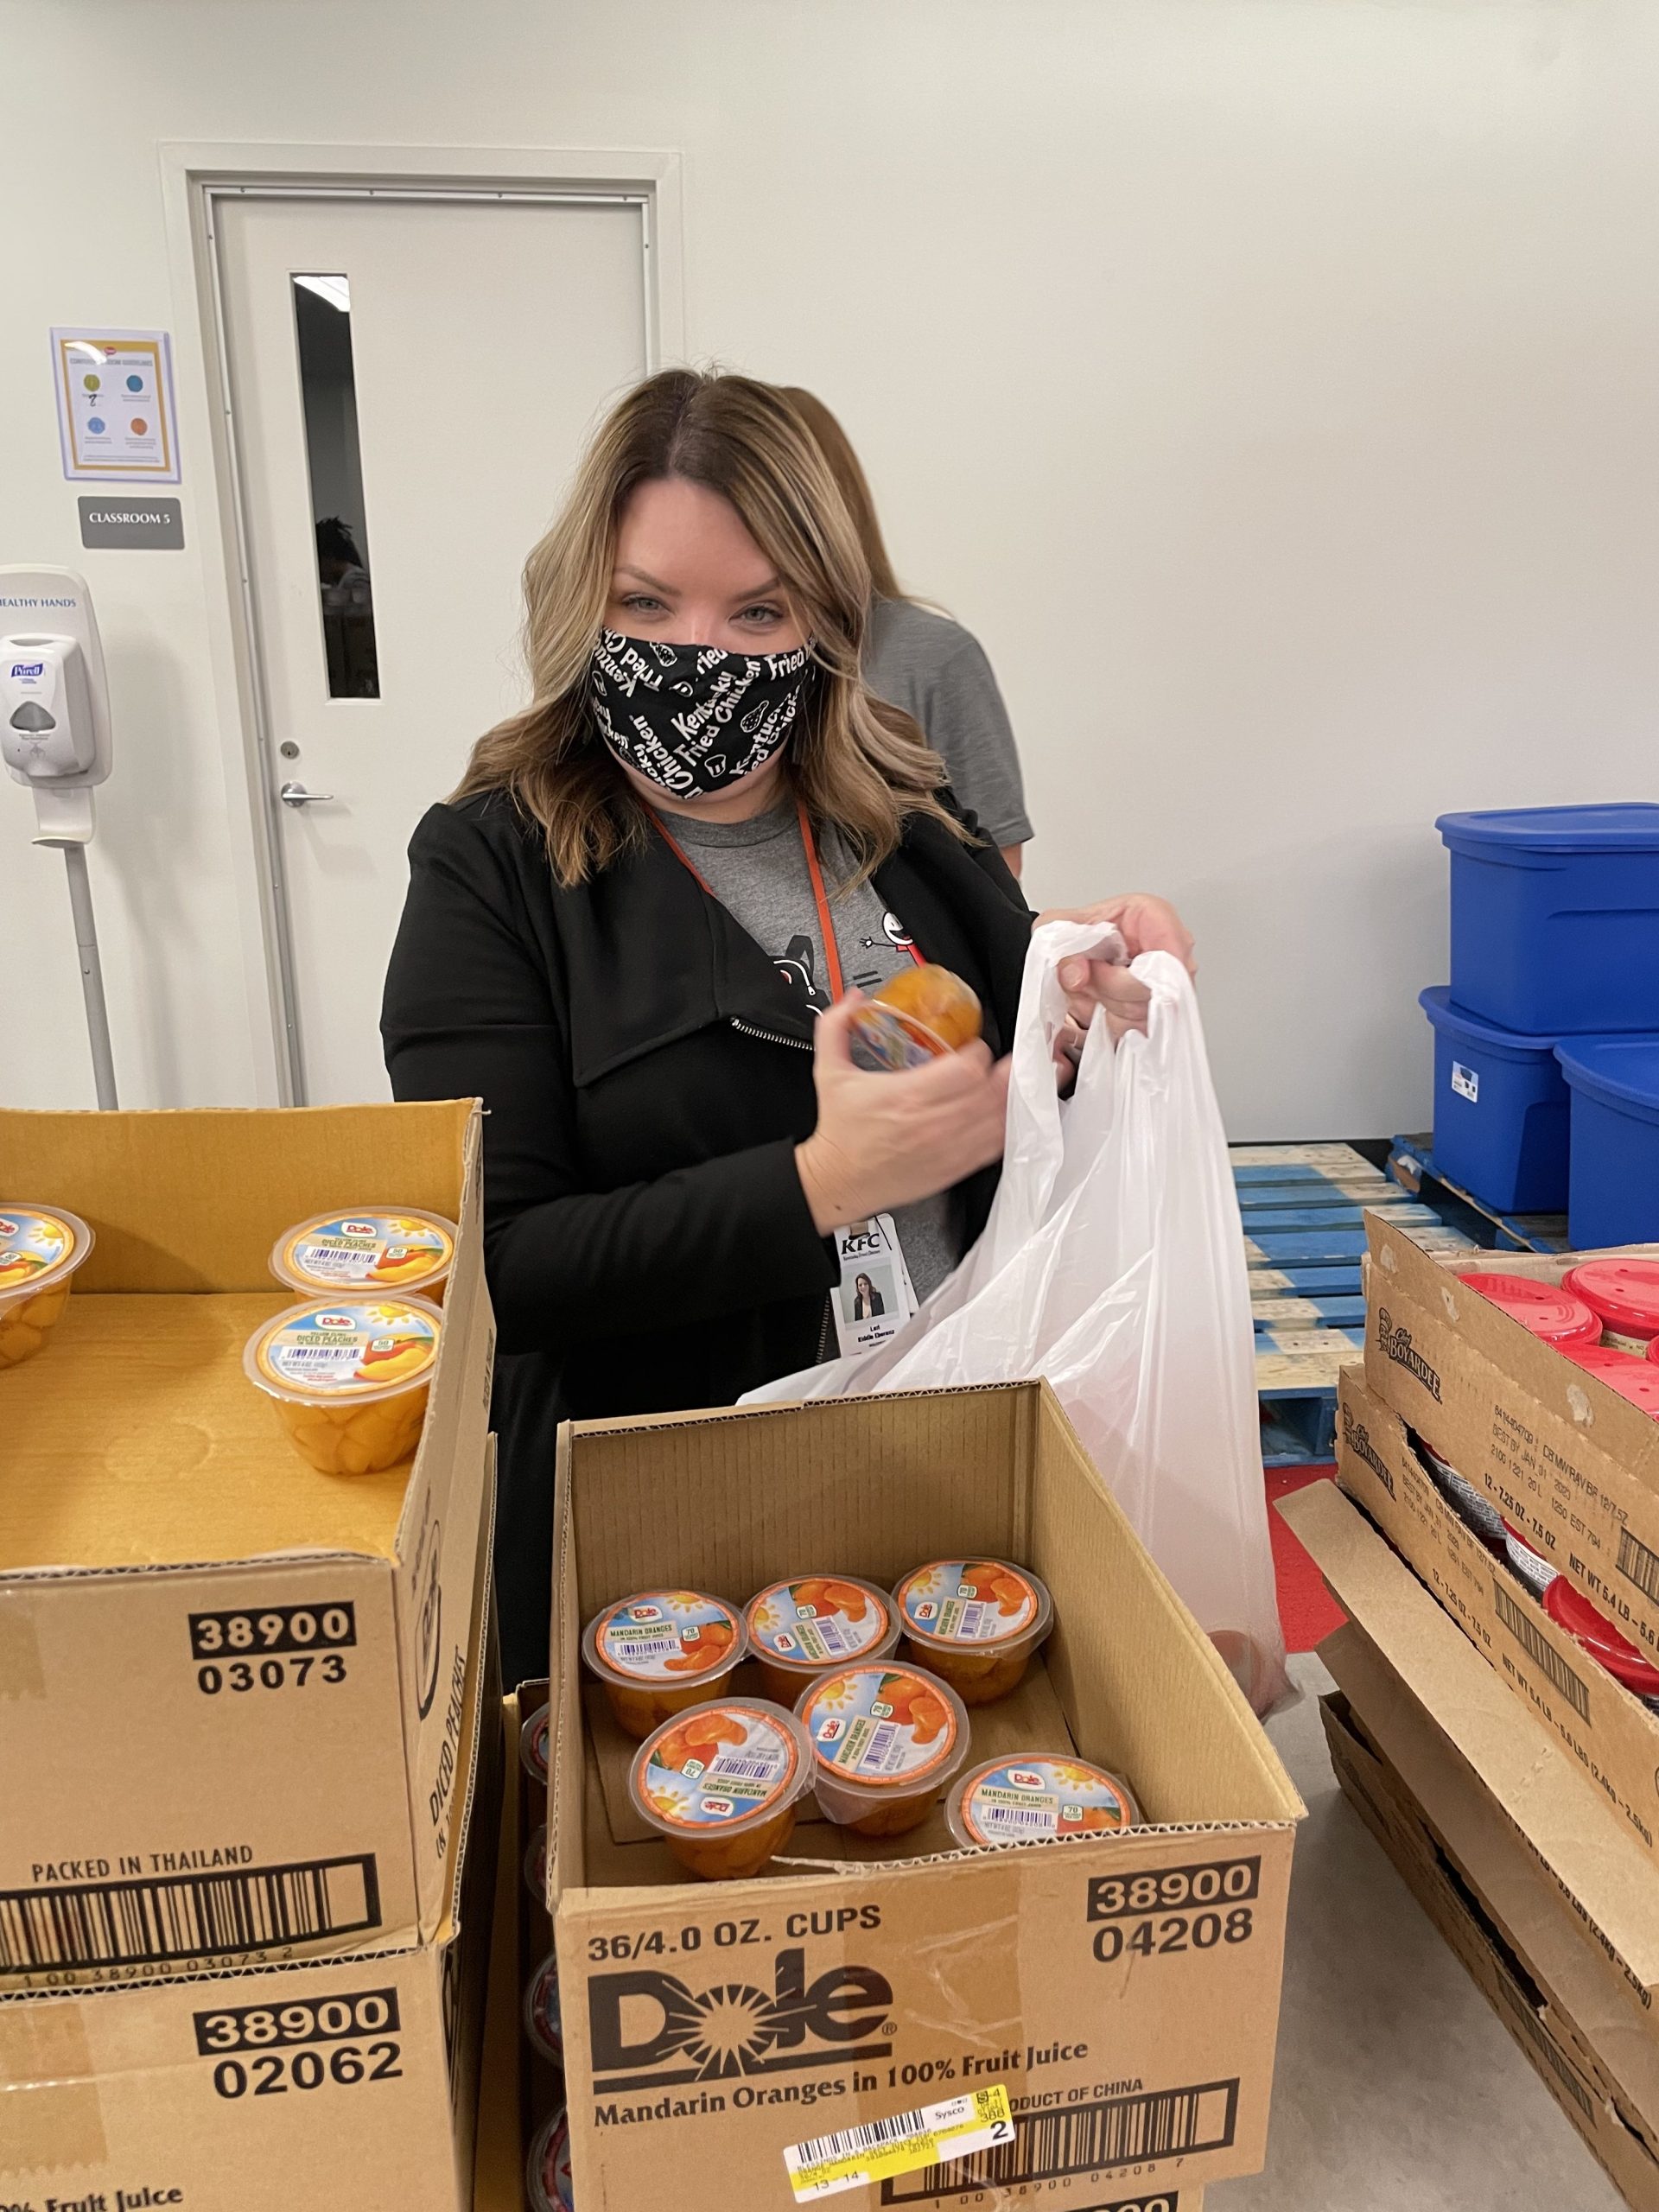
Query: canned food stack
[248, 1485]
[1503, 1439]
[1546, 1039]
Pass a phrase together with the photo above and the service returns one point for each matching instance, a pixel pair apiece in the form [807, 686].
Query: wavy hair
[861, 764]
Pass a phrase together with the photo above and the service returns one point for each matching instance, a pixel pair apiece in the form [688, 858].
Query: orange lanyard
[831, 950]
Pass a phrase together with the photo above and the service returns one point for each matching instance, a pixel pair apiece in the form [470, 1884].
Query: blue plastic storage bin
[1555, 918]
[1500, 1111]
[1615, 1087]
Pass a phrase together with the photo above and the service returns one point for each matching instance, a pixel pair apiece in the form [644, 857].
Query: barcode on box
[1119, 2131]
[140, 1923]
[874, 2135]
[1637, 1564]
[1543, 1654]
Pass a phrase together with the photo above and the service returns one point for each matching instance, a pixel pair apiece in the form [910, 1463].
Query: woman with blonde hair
[919, 660]
[638, 929]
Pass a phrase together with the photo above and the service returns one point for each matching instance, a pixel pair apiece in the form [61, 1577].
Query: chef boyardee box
[1610, 1733]
[1572, 1466]
[833, 2013]
[299, 2087]
[231, 1688]
[1586, 2033]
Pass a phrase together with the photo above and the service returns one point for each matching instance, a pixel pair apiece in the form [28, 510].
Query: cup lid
[548, 2171]
[725, 1766]
[543, 2021]
[667, 1636]
[372, 1249]
[1035, 1798]
[955, 1603]
[818, 1620]
[1623, 1292]
[1632, 1377]
[1549, 1312]
[1569, 1608]
[532, 1744]
[39, 1246]
[882, 1725]
[349, 1350]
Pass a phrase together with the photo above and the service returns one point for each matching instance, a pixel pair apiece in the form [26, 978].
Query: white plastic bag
[1113, 1263]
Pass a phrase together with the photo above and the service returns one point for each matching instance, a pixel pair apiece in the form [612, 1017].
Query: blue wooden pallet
[1303, 1209]
[1411, 1163]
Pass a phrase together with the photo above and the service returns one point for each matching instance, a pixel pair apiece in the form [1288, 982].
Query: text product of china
[116, 420]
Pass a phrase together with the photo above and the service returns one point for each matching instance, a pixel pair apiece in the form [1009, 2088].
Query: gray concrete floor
[1396, 2088]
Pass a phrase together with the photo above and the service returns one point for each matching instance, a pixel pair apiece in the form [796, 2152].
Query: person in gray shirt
[922, 661]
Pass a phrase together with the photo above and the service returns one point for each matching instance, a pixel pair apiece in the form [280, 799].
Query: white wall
[1272, 384]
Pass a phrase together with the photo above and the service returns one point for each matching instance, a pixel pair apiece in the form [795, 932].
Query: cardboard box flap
[1544, 1798]
[1624, 1432]
[194, 1200]
[1574, 1975]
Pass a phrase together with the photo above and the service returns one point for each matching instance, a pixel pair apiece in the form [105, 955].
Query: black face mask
[695, 718]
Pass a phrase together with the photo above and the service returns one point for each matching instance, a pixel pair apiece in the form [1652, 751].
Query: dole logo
[647, 2029]
[333, 1321]
[357, 1228]
[10, 1228]
[1021, 1778]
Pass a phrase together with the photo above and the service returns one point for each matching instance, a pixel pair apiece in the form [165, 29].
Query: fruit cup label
[1043, 1801]
[339, 1350]
[29, 1244]
[720, 1764]
[817, 1623]
[673, 1635]
[363, 1250]
[884, 1041]
[879, 1723]
[968, 1601]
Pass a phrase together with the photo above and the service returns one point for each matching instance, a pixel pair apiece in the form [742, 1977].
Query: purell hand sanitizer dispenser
[55, 736]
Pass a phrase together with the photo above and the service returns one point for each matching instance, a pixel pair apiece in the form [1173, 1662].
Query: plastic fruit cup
[1633, 1378]
[661, 1651]
[363, 1255]
[721, 1785]
[547, 2170]
[349, 1379]
[1550, 1313]
[1471, 1506]
[918, 1015]
[1037, 1799]
[886, 1737]
[542, 2022]
[41, 1248]
[798, 1628]
[532, 1745]
[535, 1865]
[1533, 1569]
[1590, 1628]
[975, 1623]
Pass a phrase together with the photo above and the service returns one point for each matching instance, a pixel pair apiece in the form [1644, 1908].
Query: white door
[411, 382]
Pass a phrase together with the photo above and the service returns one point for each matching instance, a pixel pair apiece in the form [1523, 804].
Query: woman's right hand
[885, 1141]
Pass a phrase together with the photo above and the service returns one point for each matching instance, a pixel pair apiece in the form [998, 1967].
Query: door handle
[297, 795]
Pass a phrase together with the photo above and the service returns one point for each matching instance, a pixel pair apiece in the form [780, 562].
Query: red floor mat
[1307, 1609]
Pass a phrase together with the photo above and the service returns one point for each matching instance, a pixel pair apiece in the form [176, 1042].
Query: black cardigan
[647, 1074]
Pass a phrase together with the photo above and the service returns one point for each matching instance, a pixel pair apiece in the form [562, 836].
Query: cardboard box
[1125, 1993]
[1573, 1466]
[299, 2087]
[1552, 1804]
[230, 1689]
[1611, 1735]
[1575, 2019]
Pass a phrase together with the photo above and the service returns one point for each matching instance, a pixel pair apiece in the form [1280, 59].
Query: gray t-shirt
[758, 871]
[937, 672]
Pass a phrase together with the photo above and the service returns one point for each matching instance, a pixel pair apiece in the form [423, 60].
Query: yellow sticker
[927, 2137]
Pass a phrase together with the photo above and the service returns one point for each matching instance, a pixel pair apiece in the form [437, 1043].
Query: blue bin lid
[1619, 1070]
[1470, 1029]
[1630, 826]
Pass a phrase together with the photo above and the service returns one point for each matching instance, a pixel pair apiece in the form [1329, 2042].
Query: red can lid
[1569, 1608]
[1553, 1314]
[1625, 1293]
[1633, 1378]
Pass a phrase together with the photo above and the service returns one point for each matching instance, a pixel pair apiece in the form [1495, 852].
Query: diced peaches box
[230, 1683]
[726, 2038]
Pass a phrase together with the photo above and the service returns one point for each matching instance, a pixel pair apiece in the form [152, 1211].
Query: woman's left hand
[1147, 924]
